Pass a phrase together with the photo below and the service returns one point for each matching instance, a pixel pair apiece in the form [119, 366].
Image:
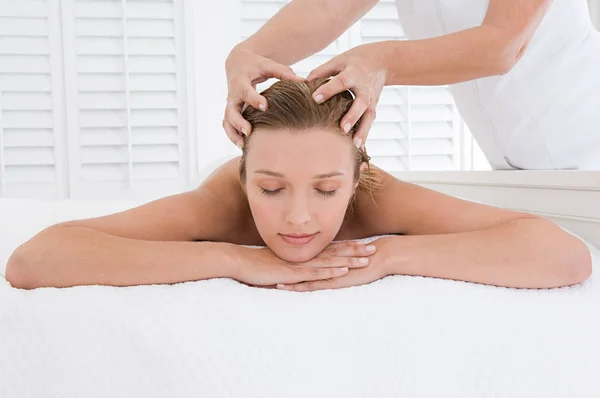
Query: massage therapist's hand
[380, 266]
[262, 267]
[363, 70]
[244, 71]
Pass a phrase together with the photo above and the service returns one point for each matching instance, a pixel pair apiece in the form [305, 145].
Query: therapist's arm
[304, 27]
[487, 50]
[492, 48]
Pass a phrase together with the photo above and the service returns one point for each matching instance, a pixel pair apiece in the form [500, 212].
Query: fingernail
[262, 107]
[347, 127]
[239, 146]
[319, 98]
[370, 248]
[343, 270]
[245, 132]
[363, 261]
[358, 142]
[280, 286]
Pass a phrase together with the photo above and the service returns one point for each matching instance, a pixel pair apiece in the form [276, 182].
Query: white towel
[399, 336]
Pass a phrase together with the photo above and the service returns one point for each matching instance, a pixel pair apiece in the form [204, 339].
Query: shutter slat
[26, 82]
[30, 174]
[119, 136]
[20, 156]
[17, 101]
[27, 119]
[120, 154]
[114, 28]
[118, 100]
[10, 45]
[24, 64]
[23, 27]
[28, 138]
[120, 172]
[116, 46]
[30, 9]
[112, 9]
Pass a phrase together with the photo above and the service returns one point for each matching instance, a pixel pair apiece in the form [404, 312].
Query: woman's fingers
[349, 249]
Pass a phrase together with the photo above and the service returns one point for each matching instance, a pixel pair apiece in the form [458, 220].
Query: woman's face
[298, 185]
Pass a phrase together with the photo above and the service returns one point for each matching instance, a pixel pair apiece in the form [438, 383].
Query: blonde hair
[291, 106]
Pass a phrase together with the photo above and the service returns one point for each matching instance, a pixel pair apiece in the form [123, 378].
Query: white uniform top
[544, 113]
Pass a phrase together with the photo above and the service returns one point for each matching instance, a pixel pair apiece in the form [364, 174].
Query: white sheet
[400, 336]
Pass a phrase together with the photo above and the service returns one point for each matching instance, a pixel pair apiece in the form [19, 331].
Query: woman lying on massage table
[302, 189]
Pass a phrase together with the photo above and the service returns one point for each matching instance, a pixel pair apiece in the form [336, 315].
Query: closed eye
[277, 191]
[326, 193]
[270, 193]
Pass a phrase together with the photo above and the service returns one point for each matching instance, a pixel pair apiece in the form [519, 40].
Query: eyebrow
[317, 177]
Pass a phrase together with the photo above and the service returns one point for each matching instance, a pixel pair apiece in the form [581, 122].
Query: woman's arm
[452, 238]
[528, 252]
[152, 243]
[62, 256]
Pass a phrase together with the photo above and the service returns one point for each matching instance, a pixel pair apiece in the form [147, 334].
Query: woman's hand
[244, 71]
[263, 268]
[363, 70]
[379, 267]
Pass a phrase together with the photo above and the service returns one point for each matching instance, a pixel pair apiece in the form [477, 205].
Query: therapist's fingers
[337, 84]
[359, 106]
[233, 115]
[241, 90]
[233, 134]
[360, 137]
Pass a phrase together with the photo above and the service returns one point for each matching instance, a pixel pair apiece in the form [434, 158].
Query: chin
[297, 254]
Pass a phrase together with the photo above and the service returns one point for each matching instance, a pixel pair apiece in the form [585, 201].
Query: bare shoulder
[217, 210]
[400, 207]
[223, 196]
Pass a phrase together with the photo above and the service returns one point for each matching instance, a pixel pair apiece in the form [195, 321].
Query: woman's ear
[363, 166]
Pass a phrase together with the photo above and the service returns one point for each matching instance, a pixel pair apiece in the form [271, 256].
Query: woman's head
[299, 170]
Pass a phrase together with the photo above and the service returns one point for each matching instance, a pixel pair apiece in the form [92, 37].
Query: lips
[298, 240]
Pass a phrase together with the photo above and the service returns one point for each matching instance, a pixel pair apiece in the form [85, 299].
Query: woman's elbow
[577, 264]
[17, 271]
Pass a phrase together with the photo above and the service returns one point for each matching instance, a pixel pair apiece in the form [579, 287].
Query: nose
[298, 213]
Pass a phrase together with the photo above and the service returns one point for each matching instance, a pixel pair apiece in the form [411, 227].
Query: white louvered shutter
[125, 86]
[32, 134]
[417, 128]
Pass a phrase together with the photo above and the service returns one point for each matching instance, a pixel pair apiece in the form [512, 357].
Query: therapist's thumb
[281, 72]
[328, 69]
